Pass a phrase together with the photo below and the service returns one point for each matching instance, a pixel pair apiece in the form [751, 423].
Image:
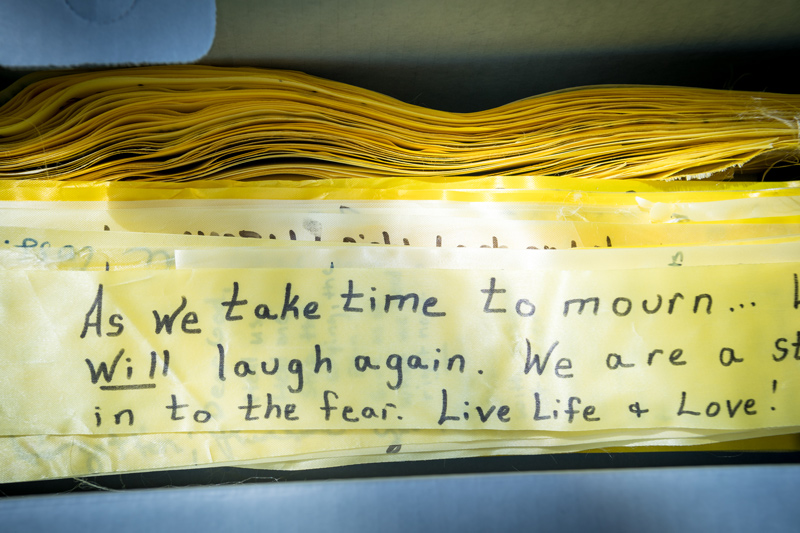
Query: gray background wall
[469, 54]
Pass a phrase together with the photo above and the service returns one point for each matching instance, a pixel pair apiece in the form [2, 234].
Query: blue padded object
[738, 499]
[70, 33]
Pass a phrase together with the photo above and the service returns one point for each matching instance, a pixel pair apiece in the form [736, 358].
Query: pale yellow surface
[53, 190]
[54, 432]
[779, 250]
[398, 229]
[428, 224]
[366, 188]
[53, 249]
[37, 248]
[752, 307]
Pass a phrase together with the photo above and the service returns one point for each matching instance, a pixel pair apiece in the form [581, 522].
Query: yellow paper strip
[49, 190]
[320, 257]
[694, 347]
[455, 232]
[441, 225]
[42, 249]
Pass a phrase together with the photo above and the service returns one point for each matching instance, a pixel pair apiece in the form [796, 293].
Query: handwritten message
[110, 353]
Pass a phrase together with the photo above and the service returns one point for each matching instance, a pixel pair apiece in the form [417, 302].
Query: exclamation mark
[774, 388]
